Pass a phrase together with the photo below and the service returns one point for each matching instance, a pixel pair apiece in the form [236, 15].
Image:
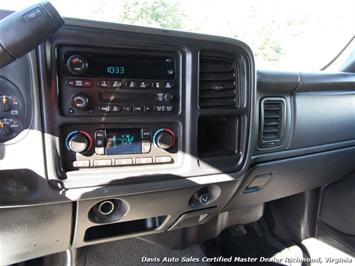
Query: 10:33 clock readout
[116, 70]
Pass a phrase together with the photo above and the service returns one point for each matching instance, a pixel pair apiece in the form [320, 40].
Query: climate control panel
[88, 146]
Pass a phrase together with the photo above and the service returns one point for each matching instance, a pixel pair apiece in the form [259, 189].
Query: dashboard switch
[202, 196]
[80, 102]
[164, 138]
[168, 97]
[77, 65]
[144, 160]
[163, 159]
[102, 163]
[78, 141]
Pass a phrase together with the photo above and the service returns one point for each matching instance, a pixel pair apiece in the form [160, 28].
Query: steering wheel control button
[163, 159]
[123, 162]
[77, 65]
[80, 102]
[144, 160]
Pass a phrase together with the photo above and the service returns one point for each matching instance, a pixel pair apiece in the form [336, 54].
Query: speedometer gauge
[9, 128]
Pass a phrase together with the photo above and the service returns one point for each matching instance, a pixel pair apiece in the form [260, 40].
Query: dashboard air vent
[271, 122]
[218, 82]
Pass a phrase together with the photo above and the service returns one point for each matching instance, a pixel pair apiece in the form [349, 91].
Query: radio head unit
[96, 82]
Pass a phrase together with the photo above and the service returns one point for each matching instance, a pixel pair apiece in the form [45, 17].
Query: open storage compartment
[218, 136]
[124, 228]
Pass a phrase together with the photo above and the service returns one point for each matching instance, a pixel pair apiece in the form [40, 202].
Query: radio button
[104, 108]
[168, 97]
[146, 146]
[87, 83]
[115, 108]
[147, 108]
[126, 161]
[116, 84]
[163, 159]
[103, 84]
[100, 163]
[169, 108]
[71, 83]
[157, 85]
[144, 84]
[170, 72]
[127, 108]
[159, 97]
[79, 83]
[144, 160]
[159, 108]
[169, 85]
[132, 84]
[137, 108]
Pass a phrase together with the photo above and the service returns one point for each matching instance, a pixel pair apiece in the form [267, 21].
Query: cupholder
[108, 210]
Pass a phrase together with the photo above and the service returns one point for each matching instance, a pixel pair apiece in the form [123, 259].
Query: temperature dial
[9, 128]
[78, 141]
[77, 65]
[164, 138]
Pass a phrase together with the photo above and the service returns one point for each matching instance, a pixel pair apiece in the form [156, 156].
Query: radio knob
[168, 97]
[164, 138]
[78, 143]
[80, 102]
[77, 65]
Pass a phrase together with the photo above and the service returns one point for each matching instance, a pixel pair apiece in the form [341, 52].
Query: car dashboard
[114, 131]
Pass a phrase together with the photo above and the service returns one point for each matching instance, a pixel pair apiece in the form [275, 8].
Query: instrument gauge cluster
[12, 111]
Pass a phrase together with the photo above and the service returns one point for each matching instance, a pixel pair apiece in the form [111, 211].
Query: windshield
[285, 34]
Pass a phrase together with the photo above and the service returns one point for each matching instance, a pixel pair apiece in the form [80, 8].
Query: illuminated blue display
[115, 70]
[123, 141]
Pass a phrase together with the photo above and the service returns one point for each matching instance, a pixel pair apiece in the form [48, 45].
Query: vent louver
[272, 122]
[218, 82]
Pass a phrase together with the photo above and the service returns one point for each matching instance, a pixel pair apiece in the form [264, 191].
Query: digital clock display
[115, 70]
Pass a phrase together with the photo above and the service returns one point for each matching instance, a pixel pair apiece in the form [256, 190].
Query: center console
[148, 132]
[118, 83]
